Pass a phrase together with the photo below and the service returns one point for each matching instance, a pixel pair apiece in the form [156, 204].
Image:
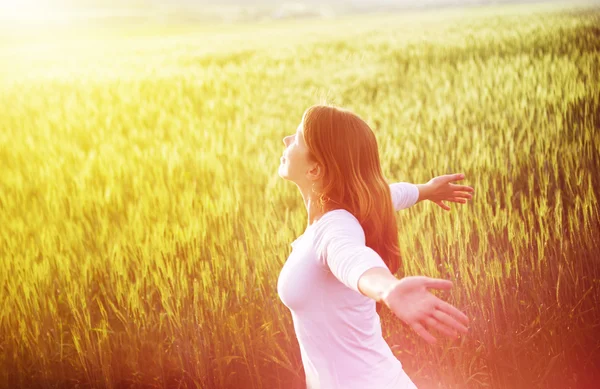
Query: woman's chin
[283, 173]
[282, 170]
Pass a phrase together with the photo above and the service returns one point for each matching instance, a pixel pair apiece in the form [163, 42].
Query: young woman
[343, 263]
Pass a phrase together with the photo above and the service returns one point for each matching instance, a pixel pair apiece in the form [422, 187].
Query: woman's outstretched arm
[404, 195]
[340, 246]
[410, 300]
[438, 189]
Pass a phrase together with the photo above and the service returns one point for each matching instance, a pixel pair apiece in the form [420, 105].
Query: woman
[343, 263]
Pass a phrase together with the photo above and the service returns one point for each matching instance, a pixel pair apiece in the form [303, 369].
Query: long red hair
[346, 147]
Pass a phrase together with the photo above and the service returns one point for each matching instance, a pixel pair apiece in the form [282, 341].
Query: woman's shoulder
[337, 223]
[335, 216]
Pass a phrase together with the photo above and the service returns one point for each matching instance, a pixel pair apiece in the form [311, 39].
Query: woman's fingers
[444, 206]
[452, 199]
[419, 329]
[454, 312]
[462, 188]
[454, 177]
[438, 283]
[432, 322]
[449, 321]
[462, 194]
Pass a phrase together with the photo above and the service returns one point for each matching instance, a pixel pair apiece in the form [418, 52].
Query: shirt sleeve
[340, 245]
[404, 195]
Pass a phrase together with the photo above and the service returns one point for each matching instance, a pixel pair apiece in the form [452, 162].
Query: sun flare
[28, 12]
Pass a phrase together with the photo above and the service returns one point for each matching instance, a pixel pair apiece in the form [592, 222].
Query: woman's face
[295, 161]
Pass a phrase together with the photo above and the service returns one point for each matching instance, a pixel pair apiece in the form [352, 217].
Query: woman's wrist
[424, 191]
[389, 291]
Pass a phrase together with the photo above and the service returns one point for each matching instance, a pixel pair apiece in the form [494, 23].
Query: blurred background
[61, 12]
[143, 222]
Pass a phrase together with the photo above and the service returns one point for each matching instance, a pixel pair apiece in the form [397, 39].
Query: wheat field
[143, 224]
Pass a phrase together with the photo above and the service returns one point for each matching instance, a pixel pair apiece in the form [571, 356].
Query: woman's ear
[317, 171]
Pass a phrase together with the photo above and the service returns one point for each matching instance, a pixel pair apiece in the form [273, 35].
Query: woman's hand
[440, 189]
[410, 300]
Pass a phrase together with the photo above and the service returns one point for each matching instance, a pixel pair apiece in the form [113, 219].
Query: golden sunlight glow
[31, 12]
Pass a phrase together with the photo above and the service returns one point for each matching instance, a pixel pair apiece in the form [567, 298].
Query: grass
[144, 225]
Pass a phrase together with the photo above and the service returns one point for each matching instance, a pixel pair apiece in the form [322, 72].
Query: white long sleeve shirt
[337, 327]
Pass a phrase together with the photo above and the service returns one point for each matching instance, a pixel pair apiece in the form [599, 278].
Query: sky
[33, 12]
